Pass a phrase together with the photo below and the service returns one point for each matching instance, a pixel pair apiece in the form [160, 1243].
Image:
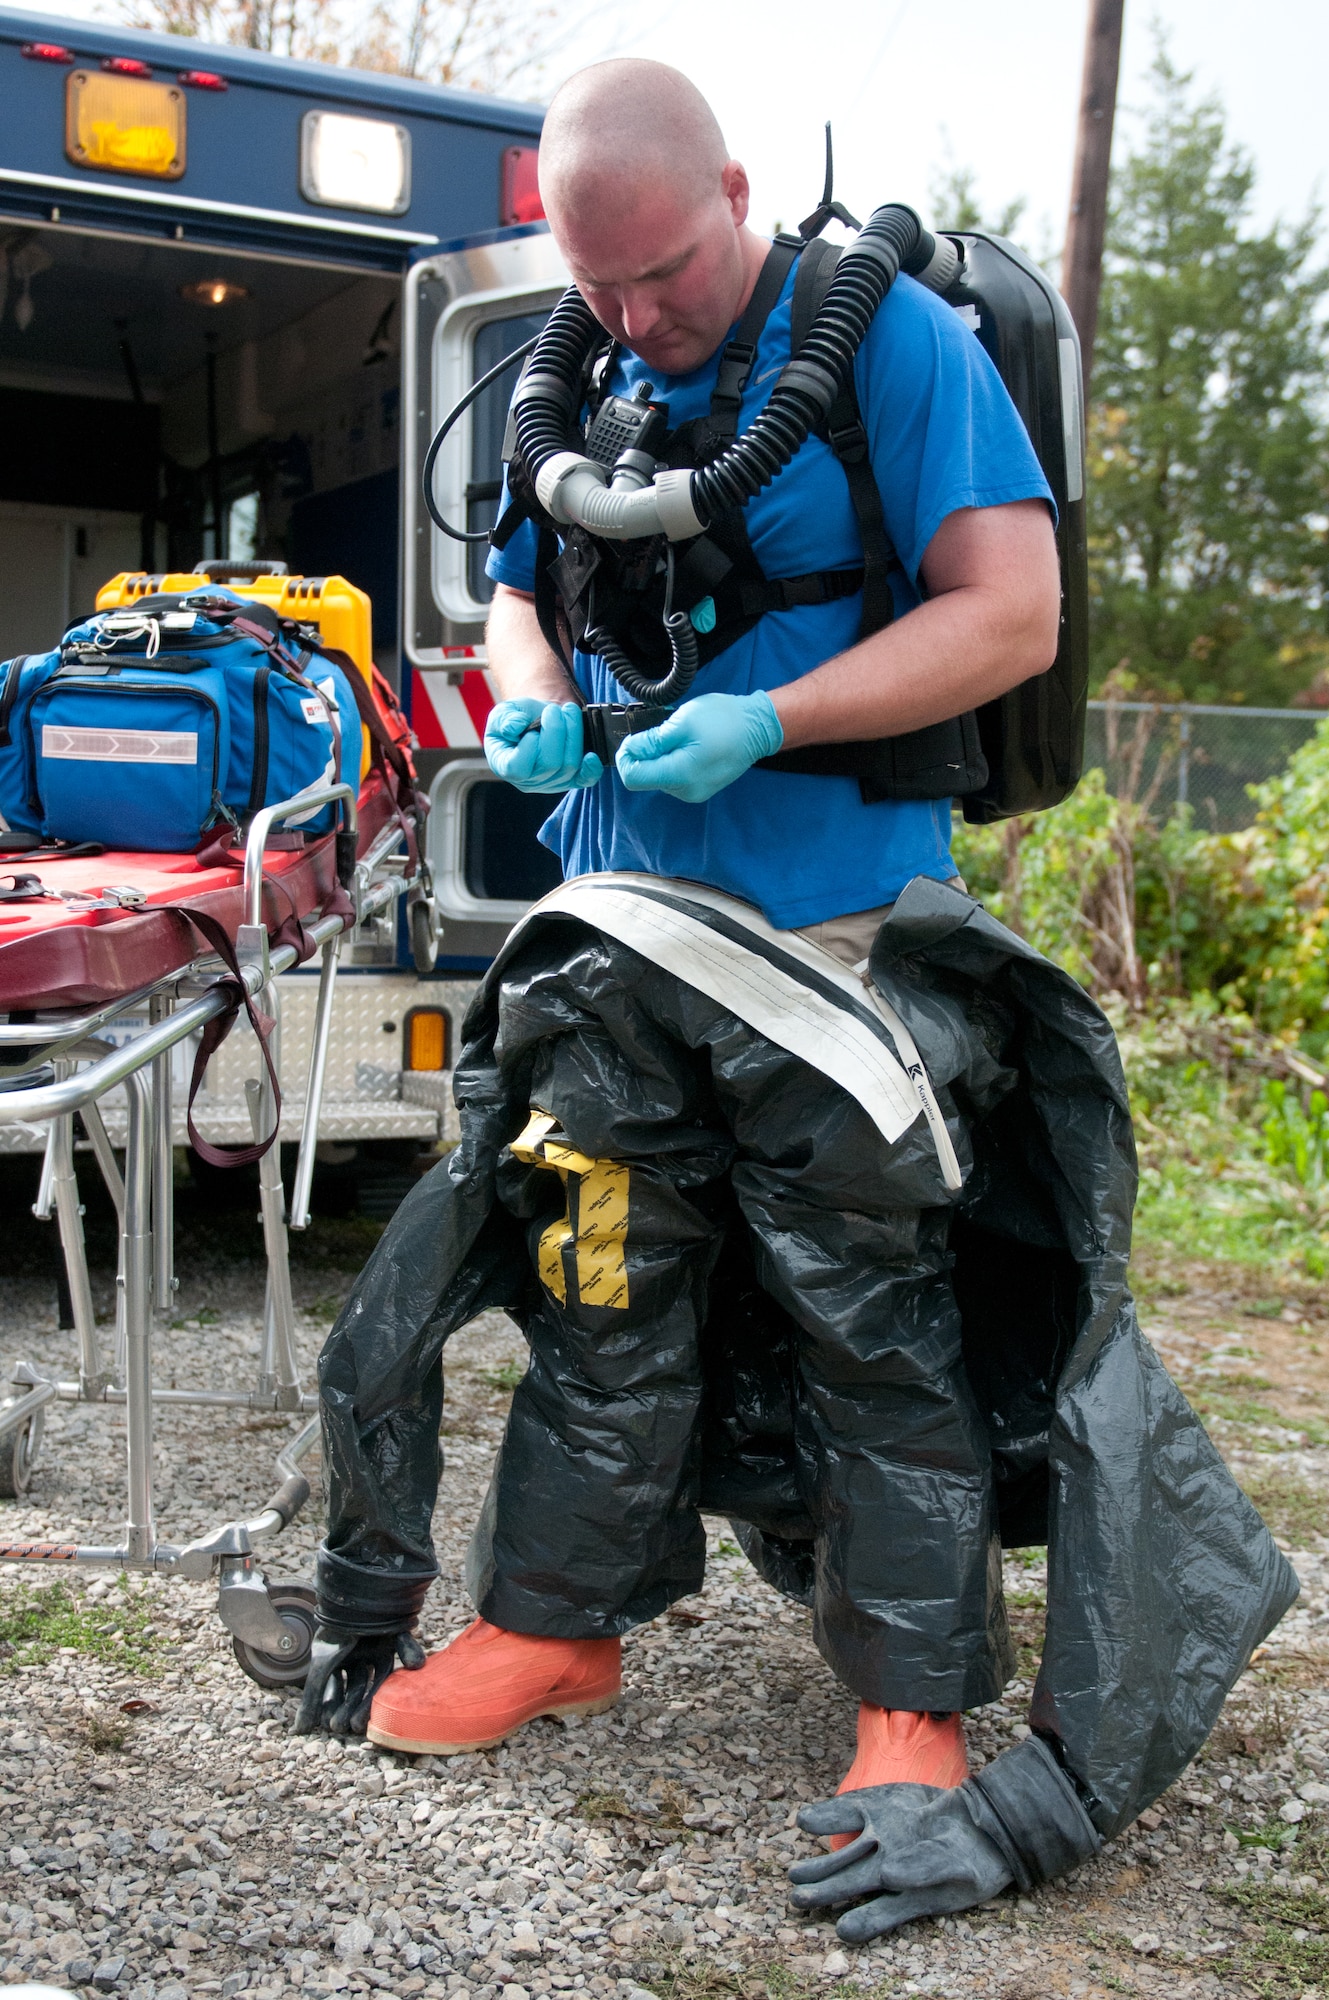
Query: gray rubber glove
[926, 1852]
[920, 1855]
[346, 1671]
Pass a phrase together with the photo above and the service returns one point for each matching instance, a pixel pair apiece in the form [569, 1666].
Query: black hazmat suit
[741, 1298]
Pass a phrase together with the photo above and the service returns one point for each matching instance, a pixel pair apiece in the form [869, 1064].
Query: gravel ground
[188, 1844]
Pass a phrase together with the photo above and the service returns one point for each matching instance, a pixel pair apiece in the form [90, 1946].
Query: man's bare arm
[519, 655]
[990, 622]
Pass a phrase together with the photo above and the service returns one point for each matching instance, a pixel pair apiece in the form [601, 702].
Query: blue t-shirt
[944, 434]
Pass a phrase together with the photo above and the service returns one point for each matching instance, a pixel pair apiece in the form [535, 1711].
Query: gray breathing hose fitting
[575, 489]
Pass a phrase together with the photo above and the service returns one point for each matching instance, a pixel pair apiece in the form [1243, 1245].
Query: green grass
[36, 1621]
[1293, 1509]
[507, 1378]
[1206, 1184]
[604, 1805]
[1278, 1962]
[1213, 1401]
[338, 1243]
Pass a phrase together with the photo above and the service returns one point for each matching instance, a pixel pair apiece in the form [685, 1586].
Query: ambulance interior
[162, 404]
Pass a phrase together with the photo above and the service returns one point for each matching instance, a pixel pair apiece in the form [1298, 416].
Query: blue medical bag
[149, 726]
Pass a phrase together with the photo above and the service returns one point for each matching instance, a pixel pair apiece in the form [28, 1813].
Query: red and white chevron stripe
[448, 716]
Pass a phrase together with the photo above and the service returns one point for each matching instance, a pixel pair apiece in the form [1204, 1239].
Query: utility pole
[1082, 260]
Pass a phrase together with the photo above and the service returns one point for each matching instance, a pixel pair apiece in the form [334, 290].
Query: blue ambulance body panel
[243, 146]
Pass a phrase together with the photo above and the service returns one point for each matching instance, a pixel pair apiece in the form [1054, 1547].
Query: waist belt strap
[761, 977]
[781, 593]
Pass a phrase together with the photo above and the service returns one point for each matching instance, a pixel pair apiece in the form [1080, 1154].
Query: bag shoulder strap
[848, 439]
[9, 694]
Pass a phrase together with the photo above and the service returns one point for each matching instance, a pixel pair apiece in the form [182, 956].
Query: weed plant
[40, 1621]
[1210, 953]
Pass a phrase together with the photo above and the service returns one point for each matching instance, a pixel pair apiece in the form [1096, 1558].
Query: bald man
[651, 215]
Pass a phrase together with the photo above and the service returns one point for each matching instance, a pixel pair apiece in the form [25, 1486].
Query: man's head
[649, 210]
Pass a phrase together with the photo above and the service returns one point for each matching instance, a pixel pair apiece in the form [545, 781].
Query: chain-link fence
[1167, 753]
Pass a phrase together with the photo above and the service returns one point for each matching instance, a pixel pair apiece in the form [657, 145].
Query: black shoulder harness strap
[848, 439]
[708, 436]
[944, 760]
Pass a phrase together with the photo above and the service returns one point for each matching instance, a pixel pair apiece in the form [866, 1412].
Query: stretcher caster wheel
[294, 1604]
[19, 1451]
[424, 936]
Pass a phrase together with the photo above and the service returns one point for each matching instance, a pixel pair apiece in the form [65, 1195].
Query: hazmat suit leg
[591, 1523]
[590, 1526]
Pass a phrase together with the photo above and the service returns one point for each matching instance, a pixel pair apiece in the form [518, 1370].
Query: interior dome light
[214, 292]
[348, 162]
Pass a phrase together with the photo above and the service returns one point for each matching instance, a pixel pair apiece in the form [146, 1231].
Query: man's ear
[734, 182]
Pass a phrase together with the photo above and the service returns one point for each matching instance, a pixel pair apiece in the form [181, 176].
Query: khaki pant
[850, 938]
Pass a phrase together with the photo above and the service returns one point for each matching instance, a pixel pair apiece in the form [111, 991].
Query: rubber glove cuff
[703, 746]
[1029, 1809]
[538, 746]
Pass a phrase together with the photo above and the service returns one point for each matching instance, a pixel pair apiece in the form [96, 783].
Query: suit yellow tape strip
[598, 1191]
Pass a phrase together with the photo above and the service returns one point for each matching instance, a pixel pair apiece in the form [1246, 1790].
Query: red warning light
[203, 79]
[47, 52]
[519, 198]
[126, 66]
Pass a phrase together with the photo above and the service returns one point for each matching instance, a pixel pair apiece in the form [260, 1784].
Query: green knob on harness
[702, 616]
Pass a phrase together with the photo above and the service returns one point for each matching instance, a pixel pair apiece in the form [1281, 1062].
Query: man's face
[662, 273]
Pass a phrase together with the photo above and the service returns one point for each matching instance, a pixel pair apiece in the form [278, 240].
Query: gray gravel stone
[216, 1854]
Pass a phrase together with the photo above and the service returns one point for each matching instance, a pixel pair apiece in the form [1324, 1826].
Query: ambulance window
[489, 416]
[504, 861]
[242, 528]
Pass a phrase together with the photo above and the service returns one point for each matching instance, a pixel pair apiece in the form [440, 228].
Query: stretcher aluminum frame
[84, 1070]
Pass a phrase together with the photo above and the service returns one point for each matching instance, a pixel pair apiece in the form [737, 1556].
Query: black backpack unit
[661, 599]
[1024, 751]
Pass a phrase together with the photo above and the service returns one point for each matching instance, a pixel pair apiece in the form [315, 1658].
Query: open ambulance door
[464, 310]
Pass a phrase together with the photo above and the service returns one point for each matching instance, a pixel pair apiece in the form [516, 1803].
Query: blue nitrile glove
[537, 746]
[703, 746]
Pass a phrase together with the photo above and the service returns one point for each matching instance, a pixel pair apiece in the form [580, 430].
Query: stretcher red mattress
[55, 956]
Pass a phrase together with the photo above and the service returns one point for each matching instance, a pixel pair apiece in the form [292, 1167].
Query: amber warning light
[426, 1039]
[126, 124]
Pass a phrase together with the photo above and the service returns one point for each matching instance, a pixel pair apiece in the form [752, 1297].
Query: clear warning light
[348, 162]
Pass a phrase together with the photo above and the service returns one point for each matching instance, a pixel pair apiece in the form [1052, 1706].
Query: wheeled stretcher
[87, 945]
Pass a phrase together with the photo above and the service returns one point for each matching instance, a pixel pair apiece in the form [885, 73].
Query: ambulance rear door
[465, 309]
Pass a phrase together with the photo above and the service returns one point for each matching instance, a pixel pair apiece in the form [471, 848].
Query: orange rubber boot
[900, 1746]
[488, 1683]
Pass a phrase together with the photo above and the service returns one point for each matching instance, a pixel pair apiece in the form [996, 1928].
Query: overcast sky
[991, 84]
[911, 84]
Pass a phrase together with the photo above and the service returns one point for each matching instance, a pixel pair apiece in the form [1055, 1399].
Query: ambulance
[236, 293]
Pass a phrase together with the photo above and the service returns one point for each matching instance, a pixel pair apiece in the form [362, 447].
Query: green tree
[1207, 434]
[954, 204]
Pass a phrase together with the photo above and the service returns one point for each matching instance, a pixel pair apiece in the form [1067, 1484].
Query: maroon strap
[214, 1034]
[215, 849]
[408, 801]
[292, 929]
